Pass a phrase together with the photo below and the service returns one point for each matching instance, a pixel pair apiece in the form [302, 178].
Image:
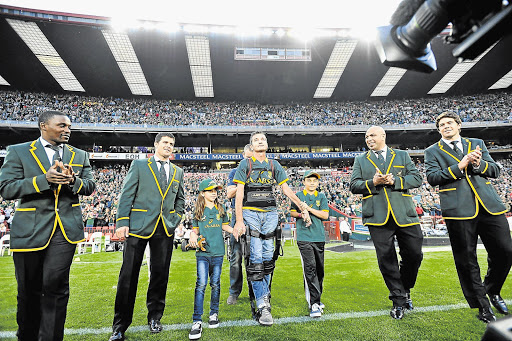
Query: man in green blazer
[384, 176]
[151, 205]
[46, 176]
[462, 168]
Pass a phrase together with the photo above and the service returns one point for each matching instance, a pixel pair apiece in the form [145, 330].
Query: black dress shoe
[486, 315]
[116, 336]
[408, 303]
[397, 312]
[499, 304]
[155, 326]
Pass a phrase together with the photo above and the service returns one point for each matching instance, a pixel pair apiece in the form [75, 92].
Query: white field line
[244, 323]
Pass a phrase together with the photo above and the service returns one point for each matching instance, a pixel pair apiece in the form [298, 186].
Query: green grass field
[354, 294]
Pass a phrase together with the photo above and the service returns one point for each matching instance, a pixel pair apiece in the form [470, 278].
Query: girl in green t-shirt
[209, 220]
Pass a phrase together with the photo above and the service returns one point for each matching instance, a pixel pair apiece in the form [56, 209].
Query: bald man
[384, 177]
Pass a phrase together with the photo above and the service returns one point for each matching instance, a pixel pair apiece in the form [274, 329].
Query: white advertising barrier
[117, 156]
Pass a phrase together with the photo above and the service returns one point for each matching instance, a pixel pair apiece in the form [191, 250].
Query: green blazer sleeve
[41, 209]
[127, 196]
[460, 192]
[84, 181]
[383, 202]
[358, 184]
[14, 183]
[143, 205]
[406, 174]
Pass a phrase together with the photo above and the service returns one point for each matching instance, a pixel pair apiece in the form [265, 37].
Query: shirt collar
[306, 193]
[158, 159]
[384, 151]
[254, 159]
[450, 142]
[45, 143]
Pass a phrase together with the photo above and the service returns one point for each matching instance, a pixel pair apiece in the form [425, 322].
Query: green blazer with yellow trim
[382, 201]
[143, 204]
[461, 191]
[41, 209]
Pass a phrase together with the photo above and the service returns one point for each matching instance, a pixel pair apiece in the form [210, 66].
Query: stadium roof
[282, 69]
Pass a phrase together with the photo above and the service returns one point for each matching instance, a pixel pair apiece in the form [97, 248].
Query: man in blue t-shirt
[235, 259]
[255, 207]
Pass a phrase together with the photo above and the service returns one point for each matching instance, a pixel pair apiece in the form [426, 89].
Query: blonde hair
[201, 204]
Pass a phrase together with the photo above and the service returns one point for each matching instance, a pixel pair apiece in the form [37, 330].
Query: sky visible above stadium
[280, 13]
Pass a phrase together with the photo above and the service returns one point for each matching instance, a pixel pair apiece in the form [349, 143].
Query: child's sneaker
[195, 332]
[213, 322]
[315, 311]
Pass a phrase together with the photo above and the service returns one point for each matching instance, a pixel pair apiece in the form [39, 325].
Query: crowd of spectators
[99, 209]
[26, 106]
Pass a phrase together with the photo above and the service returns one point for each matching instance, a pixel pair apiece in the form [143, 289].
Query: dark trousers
[495, 234]
[399, 277]
[235, 265]
[43, 289]
[161, 251]
[346, 236]
[312, 256]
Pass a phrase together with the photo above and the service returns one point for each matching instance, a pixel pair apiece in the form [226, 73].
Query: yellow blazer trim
[325, 210]
[75, 165]
[479, 199]
[75, 205]
[154, 229]
[401, 183]
[25, 209]
[34, 182]
[367, 187]
[42, 247]
[464, 218]
[440, 145]
[122, 218]
[448, 189]
[72, 155]
[239, 182]
[399, 166]
[156, 180]
[81, 185]
[282, 182]
[33, 145]
[373, 163]
[486, 166]
[56, 222]
[488, 183]
[390, 210]
[391, 162]
[179, 215]
[453, 175]
[139, 210]
[368, 196]
[406, 195]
